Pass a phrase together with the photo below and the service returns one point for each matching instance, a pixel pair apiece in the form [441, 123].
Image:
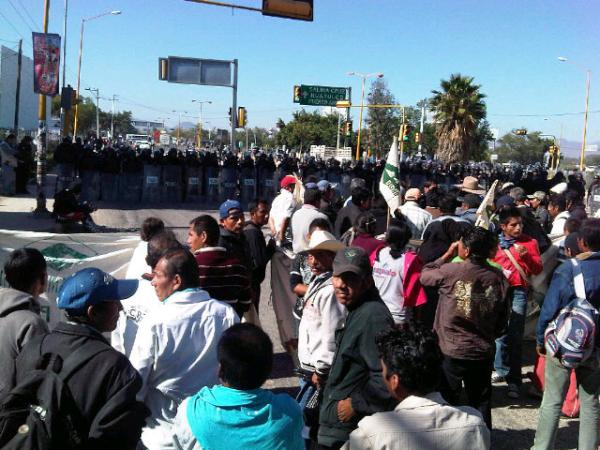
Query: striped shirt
[224, 277]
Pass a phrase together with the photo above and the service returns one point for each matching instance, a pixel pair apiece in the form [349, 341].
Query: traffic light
[230, 116]
[242, 118]
[405, 131]
[163, 69]
[297, 92]
[418, 138]
[520, 132]
[289, 9]
[348, 127]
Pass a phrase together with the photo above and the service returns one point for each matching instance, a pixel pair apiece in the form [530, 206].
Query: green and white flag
[389, 185]
[485, 210]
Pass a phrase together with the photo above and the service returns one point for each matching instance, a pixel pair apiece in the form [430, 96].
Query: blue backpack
[571, 336]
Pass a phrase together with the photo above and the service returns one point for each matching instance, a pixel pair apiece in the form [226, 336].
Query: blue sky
[509, 46]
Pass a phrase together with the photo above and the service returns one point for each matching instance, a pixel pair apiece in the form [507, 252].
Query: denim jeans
[555, 389]
[509, 347]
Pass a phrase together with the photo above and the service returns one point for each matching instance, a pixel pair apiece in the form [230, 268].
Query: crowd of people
[387, 317]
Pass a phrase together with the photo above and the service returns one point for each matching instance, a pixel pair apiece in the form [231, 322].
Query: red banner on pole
[46, 63]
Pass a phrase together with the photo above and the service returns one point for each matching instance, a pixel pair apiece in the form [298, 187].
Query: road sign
[591, 148]
[321, 95]
[209, 72]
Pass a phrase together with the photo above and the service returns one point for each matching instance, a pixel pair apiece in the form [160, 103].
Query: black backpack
[40, 413]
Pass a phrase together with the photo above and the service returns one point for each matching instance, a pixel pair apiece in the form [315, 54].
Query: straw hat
[471, 184]
[323, 240]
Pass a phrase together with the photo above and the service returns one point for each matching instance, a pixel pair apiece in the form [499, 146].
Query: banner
[486, 209]
[68, 253]
[389, 185]
[46, 63]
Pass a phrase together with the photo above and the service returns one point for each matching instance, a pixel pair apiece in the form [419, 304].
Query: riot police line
[149, 177]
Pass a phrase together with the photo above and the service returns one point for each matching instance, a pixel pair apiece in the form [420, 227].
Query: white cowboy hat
[323, 240]
[471, 184]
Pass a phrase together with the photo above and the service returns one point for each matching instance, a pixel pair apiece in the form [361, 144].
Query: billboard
[46, 63]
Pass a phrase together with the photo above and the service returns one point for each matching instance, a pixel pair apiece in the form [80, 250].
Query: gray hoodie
[20, 322]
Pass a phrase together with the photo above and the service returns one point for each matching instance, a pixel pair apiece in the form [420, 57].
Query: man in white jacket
[175, 349]
[322, 314]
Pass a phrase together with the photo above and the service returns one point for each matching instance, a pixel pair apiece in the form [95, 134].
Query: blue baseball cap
[227, 206]
[92, 286]
[311, 185]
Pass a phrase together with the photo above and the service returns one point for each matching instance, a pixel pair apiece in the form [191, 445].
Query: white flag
[485, 210]
[389, 184]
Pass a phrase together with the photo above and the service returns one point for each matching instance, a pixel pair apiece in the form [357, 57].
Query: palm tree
[458, 109]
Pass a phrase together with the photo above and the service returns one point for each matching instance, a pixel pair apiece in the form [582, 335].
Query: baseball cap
[92, 286]
[311, 185]
[352, 259]
[323, 185]
[539, 195]
[505, 200]
[288, 180]
[412, 194]
[227, 206]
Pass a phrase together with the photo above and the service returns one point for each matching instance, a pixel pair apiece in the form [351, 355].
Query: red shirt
[530, 262]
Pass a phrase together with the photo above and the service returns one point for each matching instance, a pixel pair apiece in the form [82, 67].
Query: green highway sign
[319, 95]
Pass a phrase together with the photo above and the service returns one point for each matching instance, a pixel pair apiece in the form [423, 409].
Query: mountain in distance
[572, 149]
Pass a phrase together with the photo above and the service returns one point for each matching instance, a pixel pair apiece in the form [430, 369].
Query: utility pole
[234, 105]
[97, 92]
[18, 92]
[63, 112]
[42, 136]
[422, 124]
[112, 118]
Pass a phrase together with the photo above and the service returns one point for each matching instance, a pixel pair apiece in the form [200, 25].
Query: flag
[389, 184]
[486, 209]
[46, 63]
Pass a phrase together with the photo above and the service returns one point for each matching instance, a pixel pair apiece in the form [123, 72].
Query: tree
[458, 108]
[306, 129]
[382, 122]
[523, 149]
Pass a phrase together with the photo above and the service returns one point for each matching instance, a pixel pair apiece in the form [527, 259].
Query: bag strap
[81, 356]
[516, 264]
[578, 279]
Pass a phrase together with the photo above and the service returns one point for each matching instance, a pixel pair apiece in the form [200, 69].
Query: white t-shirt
[283, 207]
[388, 274]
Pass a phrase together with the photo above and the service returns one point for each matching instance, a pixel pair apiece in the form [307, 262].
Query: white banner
[68, 253]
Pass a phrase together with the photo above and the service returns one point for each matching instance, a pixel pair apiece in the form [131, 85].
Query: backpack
[570, 337]
[40, 413]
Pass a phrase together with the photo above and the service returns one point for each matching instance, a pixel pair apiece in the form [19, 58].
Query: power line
[546, 115]
[11, 25]
[28, 15]
[20, 15]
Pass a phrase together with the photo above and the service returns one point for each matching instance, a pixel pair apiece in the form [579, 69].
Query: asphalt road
[514, 421]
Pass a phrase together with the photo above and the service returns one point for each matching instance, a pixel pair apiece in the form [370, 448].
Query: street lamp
[199, 142]
[97, 92]
[83, 21]
[364, 77]
[179, 126]
[588, 73]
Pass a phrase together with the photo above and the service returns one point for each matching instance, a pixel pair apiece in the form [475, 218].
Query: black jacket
[236, 245]
[259, 250]
[346, 217]
[356, 369]
[105, 388]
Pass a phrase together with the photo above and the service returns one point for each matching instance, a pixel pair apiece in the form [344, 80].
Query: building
[146, 126]
[28, 101]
